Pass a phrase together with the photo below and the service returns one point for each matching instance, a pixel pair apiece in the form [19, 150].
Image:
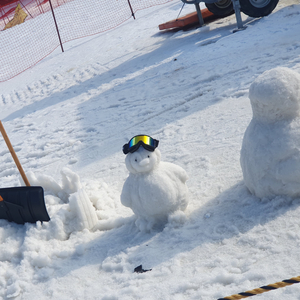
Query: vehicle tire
[221, 8]
[257, 8]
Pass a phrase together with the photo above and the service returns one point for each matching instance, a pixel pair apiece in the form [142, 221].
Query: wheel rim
[260, 3]
[223, 3]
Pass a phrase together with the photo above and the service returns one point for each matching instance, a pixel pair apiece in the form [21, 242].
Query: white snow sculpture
[270, 154]
[154, 189]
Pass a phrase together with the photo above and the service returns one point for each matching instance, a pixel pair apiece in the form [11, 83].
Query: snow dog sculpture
[154, 190]
[270, 154]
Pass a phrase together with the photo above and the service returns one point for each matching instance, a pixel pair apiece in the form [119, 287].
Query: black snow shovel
[21, 204]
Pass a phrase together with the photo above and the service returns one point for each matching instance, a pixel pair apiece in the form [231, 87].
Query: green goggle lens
[147, 140]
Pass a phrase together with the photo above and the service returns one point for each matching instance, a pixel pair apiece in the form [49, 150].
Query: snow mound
[86, 214]
[270, 154]
[77, 211]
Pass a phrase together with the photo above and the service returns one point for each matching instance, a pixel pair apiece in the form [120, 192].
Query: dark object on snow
[21, 204]
[140, 269]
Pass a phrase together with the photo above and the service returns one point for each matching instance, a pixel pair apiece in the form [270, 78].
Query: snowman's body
[153, 189]
[270, 155]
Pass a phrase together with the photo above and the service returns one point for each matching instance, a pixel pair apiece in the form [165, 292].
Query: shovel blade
[23, 204]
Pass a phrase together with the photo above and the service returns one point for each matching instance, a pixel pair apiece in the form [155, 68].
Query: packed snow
[68, 118]
[270, 156]
[155, 191]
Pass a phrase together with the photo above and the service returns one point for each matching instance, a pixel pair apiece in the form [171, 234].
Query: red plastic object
[189, 19]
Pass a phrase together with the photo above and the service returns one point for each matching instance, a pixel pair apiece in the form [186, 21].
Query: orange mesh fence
[28, 32]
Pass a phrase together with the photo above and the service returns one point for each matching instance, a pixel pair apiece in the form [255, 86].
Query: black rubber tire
[221, 8]
[258, 8]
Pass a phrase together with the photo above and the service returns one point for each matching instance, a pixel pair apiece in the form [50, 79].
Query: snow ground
[188, 89]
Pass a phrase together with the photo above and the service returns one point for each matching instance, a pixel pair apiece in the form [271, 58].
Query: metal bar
[62, 49]
[25, 8]
[131, 9]
[3, 15]
[200, 18]
[237, 10]
[180, 10]
[38, 5]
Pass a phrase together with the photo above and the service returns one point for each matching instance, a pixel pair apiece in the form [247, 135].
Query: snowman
[270, 154]
[154, 190]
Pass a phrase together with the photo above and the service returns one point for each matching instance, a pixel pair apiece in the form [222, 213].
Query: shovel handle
[13, 154]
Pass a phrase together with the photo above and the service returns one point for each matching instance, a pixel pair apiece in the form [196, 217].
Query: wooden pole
[13, 154]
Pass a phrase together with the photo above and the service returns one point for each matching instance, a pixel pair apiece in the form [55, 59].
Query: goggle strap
[125, 149]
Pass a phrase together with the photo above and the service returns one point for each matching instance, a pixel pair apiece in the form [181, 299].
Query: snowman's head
[142, 160]
[275, 95]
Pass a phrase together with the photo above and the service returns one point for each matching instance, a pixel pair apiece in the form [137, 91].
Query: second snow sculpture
[270, 155]
[153, 190]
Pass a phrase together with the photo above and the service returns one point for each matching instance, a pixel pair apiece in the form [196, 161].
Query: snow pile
[71, 209]
[270, 155]
[154, 190]
[67, 202]
[39, 248]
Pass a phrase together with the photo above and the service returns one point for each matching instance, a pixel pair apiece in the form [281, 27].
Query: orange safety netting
[28, 32]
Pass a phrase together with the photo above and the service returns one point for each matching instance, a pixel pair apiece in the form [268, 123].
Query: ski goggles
[140, 140]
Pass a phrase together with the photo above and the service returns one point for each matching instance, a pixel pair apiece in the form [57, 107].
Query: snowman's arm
[178, 171]
[125, 195]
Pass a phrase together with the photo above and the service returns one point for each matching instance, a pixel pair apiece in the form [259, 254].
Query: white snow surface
[154, 190]
[190, 90]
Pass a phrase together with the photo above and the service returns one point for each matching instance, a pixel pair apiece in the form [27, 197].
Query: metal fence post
[131, 9]
[62, 49]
